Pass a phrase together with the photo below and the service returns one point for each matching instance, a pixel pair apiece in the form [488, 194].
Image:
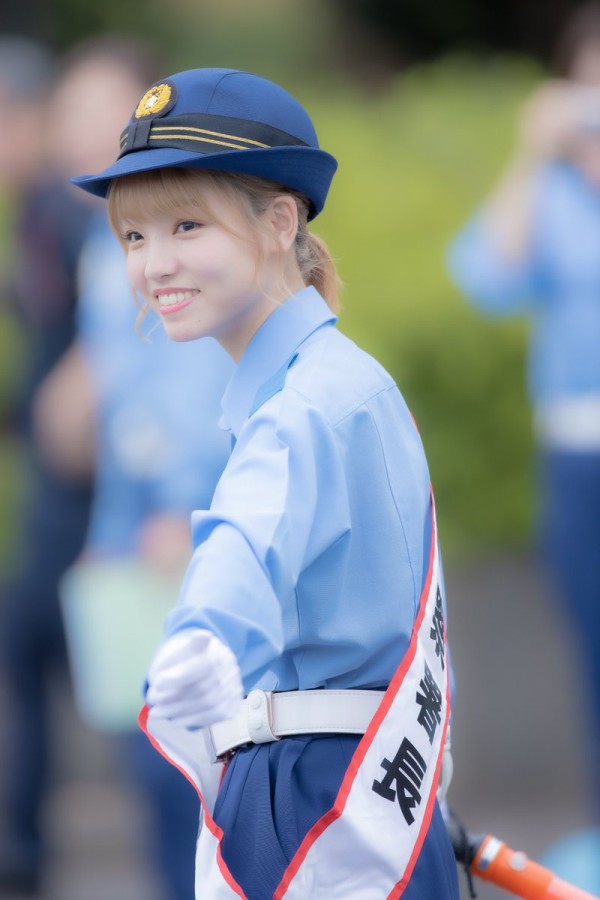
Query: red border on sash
[359, 754]
[209, 822]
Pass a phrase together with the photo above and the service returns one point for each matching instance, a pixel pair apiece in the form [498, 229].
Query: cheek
[135, 270]
[226, 261]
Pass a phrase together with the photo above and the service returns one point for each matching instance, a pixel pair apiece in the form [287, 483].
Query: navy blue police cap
[226, 120]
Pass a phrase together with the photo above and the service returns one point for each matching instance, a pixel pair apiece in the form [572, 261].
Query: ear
[283, 217]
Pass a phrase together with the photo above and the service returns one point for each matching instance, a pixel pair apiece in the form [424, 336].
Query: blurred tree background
[417, 99]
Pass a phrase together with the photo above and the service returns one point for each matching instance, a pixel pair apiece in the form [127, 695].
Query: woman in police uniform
[314, 588]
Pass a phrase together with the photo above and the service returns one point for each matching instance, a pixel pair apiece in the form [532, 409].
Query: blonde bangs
[144, 195]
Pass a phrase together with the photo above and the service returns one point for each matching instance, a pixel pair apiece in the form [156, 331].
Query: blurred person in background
[159, 450]
[98, 84]
[44, 227]
[26, 69]
[534, 247]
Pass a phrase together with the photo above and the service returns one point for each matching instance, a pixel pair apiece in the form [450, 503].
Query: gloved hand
[194, 680]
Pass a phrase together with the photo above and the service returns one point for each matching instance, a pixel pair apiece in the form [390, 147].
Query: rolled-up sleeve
[486, 279]
[280, 502]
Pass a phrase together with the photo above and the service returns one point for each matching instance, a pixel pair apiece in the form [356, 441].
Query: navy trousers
[32, 648]
[570, 542]
[273, 793]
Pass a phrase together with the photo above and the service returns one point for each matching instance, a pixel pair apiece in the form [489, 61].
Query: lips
[174, 298]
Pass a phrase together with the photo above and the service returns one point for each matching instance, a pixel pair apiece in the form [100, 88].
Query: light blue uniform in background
[557, 285]
[310, 565]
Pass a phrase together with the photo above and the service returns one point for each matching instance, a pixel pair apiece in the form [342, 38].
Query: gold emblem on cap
[153, 101]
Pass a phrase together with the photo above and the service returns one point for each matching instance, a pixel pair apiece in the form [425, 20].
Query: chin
[183, 335]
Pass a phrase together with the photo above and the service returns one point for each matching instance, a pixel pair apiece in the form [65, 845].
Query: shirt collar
[270, 348]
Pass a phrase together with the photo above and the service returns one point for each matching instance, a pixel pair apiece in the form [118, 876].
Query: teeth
[171, 299]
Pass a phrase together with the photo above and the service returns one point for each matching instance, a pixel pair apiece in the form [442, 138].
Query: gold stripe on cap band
[202, 140]
[216, 134]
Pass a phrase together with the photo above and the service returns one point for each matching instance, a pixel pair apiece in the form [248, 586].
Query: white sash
[367, 845]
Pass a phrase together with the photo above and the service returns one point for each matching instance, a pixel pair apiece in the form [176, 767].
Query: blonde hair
[180, 190]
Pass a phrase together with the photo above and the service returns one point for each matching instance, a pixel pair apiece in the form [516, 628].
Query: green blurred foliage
[269, 36]
[12, 359]
[416, 156]
[12, 348]
[13, 488]
[414, 162]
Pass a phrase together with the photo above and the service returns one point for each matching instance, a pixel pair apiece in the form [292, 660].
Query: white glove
[194, 680]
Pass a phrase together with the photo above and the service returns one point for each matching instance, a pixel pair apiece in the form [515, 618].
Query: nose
[160, 262]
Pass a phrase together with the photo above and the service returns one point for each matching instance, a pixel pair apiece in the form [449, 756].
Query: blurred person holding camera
[534, 247]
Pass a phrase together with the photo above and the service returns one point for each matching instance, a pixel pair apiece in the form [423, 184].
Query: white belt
[265, 717]
[569, 424]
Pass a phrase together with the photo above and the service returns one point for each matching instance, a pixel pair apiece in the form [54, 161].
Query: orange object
[513, 871]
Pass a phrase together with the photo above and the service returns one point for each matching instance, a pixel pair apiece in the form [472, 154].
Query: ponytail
[317, 266]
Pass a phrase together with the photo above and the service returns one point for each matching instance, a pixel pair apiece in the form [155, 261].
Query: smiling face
[200, 266]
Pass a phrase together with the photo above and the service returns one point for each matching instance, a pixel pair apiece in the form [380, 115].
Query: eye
[187, 226]
[132, 237]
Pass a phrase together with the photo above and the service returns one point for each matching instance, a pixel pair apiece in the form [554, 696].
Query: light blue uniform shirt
[311, 560]
[557, 283]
